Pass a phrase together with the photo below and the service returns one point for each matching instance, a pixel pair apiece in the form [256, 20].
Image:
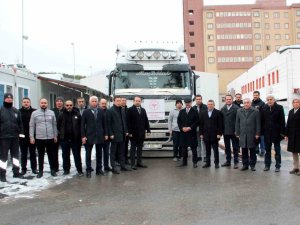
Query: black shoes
[267, 168]
[217, 166]
[199, 159]
[34, 171]
[133, 168]
[40, 174]
[226, 164]
[125, 169]
[236, 166]
[3, 178]
[88, 175]
[244, 168]
[114, 171]
[277, 169]
[195, 165]
[18, 175]
[253, 168]
[182, 165]
[141, 165]
[107, 169]
[80, 173]
[53, 173]
[23, 172]
[206, 165]
[100, 172]
[66, 172]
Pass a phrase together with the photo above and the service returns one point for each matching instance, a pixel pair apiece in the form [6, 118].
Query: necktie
[187, 110]
[139, 109]
[198, 108]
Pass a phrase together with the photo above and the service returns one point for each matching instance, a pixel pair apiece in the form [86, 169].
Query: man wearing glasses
[68, 125]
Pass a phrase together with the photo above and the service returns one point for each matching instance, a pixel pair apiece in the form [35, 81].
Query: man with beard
[68, 125]
[43, 133]
[11, 128]
[25, 144]
[238, 100]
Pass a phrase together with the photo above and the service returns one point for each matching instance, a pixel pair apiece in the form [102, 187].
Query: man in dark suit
[200, 107]
[93, 132]
[211, 124]
[117, 131]
[138, 124]
[188, 120]
[273, 130]
[124, 107]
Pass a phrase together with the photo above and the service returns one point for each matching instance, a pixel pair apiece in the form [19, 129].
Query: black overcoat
[293, 131]
[211, 126]
[137, 123]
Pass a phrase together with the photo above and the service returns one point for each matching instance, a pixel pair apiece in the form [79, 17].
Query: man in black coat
[238, 100]
[25, 144]
[211, 124]
[59, 106]
[124, 107]
[258, 104]
[11, 128]
[68, 125]
[188, 121]
[138, 124]
[293, 134]
[273, 130]
[229, 111]
[93, 132]
[117, 132]
[200, 107]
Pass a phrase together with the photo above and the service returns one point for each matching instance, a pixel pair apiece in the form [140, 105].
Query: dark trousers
[277, 148]
[177, 151]
[66, 147]
[234, 140]
[25, 146]
[55, 155]
[43, 146]
[88, 157]
[105, 148]
[215, 146]
[126, 149]
[185, 154]
[117, 148]
[136, 149]
[245, 157]
[11, 144]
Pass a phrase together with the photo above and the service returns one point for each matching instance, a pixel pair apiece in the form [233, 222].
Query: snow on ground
[29, 187]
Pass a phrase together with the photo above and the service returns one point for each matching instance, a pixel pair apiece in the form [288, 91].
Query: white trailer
[278, 75]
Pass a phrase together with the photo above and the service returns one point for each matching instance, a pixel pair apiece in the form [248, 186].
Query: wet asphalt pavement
[164, 194]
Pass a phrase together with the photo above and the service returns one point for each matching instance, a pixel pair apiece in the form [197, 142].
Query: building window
[266, 15]
[287, 37]
[286, 26]
[191, 22]
[267, 26]
[298, 13]
[276, 14]
[277, 76]
[258, 58]
[257, 36]
[257, 25]
[276, 25]
[211, 48]
[211, 60]
[191, 12]
[210, 26]
[286, 15]
[267, 36]
[210, 37]
[192, 33]
[257, 47]
[277, 37]
[256, 14]
[192, 44]
[209, 15]
[298, 35]
[5, 88]
[298, 24]
[193, 67]
[193, 56]
[52, 100]
[22, 92]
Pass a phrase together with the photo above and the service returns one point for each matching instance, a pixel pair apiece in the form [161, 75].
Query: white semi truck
[278, 75]
[160, 76]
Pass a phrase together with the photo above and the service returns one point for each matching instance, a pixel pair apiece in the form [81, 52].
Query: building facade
[230, 39]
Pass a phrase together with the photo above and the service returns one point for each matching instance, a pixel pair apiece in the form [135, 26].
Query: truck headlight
[140, 54]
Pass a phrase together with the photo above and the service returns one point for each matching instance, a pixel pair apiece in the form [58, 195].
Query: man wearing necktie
[188, 121]
[138, 125]
[211, 124]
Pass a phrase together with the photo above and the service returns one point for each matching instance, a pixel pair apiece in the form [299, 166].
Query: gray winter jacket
[42, 125]
[172, 121]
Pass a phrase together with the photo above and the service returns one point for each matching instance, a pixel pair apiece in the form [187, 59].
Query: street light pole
[73, 60]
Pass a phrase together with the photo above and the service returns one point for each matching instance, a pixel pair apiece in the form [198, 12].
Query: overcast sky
[94, 26]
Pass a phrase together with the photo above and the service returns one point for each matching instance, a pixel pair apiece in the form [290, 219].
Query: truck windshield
[153, 79]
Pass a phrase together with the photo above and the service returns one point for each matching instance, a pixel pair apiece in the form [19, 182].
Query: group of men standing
[244, 124]
[67, 126]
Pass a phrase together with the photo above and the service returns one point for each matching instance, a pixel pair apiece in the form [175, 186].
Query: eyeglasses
[68, 105]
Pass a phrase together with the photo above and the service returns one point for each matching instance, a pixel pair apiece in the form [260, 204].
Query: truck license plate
[153, 146]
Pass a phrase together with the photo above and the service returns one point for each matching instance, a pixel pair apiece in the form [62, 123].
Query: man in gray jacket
[174, 130]
[247, 129]
[43, 133]
[229, 116]
[11, 128]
